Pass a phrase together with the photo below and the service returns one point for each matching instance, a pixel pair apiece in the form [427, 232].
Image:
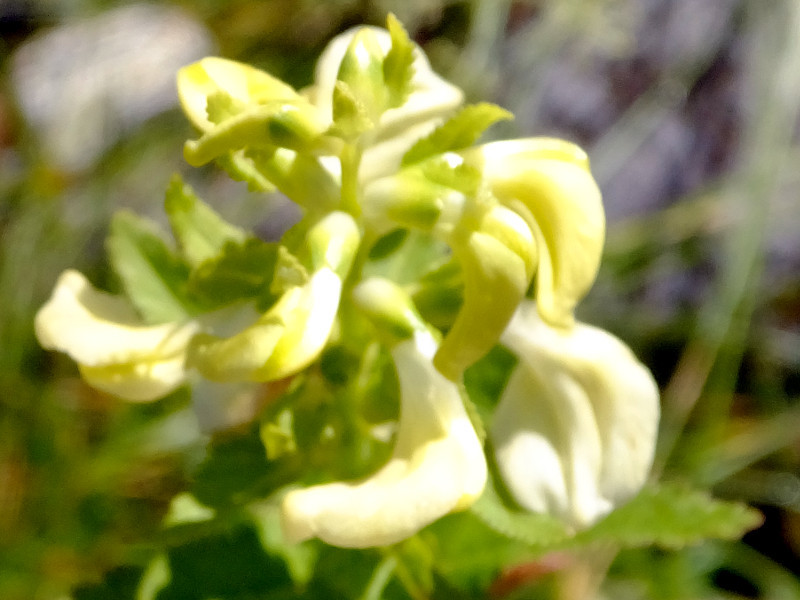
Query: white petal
[102, 333]
[575, 429]
[437, 466]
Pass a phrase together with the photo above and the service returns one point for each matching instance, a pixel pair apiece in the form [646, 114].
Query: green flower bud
[361, 73]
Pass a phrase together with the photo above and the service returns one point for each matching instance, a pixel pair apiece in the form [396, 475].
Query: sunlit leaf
[672, 516]
[458, 132]
[153, 276]
[398, 66]
[241, 271]
[200, 231]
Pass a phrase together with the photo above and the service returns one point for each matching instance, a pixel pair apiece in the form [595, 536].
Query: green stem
[351, 190]
[404, 575]
[380, 578]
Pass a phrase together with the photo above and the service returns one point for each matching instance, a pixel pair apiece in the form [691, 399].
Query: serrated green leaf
[536, 530]
[398, 66]
[458, 132]
[201, 232]
[462, 177]
[153, 276]
[672, 516]
[241, 271]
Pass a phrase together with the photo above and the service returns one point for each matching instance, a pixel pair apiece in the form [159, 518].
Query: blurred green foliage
[694, 140]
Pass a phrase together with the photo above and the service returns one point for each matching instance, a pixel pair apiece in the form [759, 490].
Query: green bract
[417, 250]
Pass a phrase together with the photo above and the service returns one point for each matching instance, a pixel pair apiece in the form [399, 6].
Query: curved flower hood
[548, 182]
[437, 466]
[575, 430]
[115, 351]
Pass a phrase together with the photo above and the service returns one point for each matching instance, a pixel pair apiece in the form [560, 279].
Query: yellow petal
[575, 429]
[198, 81]
[497, 263]
[548, 182]
[115, 351]
[437, 466]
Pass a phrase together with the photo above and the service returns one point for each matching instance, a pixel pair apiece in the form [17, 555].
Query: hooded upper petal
[437, 466]
[549, 183]
[116, 353]
[575, 429]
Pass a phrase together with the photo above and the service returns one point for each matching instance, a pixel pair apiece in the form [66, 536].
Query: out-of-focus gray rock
[84, 84]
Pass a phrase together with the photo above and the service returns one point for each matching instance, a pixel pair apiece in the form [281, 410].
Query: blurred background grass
[688, 110]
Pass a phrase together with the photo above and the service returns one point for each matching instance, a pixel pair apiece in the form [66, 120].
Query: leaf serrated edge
[130, 232]
[739, 518]
[398, 65]
[460, 131]
[535, 530]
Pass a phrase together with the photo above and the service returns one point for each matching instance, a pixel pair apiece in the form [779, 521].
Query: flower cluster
[381, 155]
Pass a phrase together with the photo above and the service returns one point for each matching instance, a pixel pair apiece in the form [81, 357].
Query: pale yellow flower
[548, 182]
[437, 466]
[575, 430]
[115, 351]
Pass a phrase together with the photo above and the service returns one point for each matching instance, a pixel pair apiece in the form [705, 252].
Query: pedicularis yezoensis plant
[421, 256]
